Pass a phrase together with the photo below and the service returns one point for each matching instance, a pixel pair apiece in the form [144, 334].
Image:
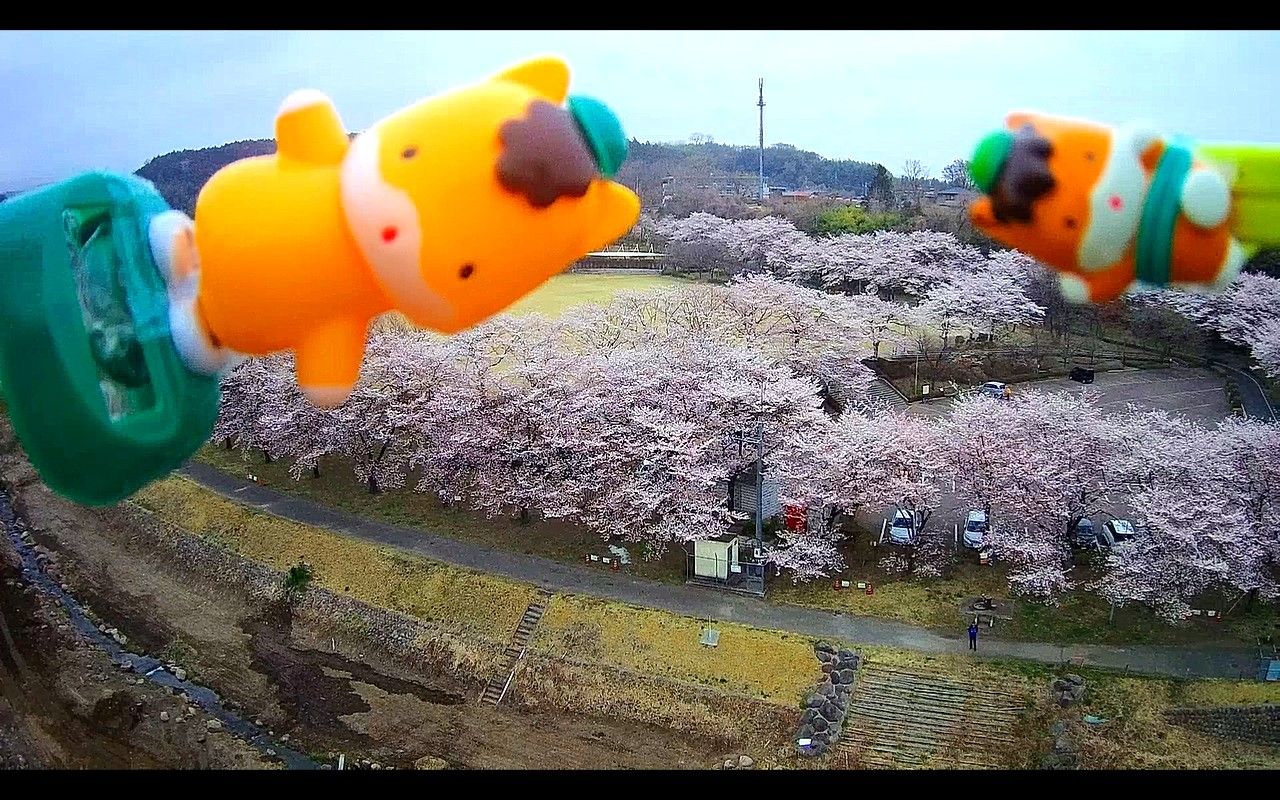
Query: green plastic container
[98, 396]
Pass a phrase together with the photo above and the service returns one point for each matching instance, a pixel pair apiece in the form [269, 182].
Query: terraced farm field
[908, 720]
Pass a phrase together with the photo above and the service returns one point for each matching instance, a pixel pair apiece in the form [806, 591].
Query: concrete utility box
[713, 558]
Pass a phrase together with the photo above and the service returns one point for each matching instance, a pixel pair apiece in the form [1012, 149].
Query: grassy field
[571, 289]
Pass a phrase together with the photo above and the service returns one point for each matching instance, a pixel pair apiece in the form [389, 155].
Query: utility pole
[759, 486]
[917, 384]
[764, 190]
[757, 441]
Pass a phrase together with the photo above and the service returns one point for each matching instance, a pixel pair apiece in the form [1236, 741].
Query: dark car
[1082, 375]
[1085, 534]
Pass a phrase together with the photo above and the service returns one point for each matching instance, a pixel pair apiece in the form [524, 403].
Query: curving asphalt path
[1183, 662]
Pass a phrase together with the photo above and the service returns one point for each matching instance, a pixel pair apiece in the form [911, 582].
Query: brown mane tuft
[544, 156]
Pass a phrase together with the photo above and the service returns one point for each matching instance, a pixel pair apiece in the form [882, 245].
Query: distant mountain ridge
[180, 175]
[784, 165]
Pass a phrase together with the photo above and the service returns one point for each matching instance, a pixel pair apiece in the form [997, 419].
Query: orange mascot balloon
[448, 211]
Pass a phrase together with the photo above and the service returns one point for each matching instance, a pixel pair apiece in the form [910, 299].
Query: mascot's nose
[989, 158]
[603, 132]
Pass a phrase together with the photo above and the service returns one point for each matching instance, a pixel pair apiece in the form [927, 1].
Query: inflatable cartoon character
[119, 313]
[447, 211]
[1112, 207]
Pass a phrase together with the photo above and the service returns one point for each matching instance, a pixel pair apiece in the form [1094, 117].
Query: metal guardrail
[1261, 392]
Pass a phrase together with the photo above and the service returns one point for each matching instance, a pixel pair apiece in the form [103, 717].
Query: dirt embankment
[323, 686]
[64, 704]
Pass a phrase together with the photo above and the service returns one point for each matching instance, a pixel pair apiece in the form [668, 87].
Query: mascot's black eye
[1088, 156]
[466, 271]
[409, 152]
[1070, 222]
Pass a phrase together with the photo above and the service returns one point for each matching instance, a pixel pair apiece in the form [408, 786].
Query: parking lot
[1197, 394]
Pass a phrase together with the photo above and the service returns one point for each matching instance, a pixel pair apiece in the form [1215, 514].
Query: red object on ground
[837, 586]
[615, 566]
[871, 589]
[793, 518]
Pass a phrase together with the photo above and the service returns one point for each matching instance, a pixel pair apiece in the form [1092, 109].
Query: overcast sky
[100, 99]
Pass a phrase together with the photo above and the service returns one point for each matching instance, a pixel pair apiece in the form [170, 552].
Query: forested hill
[784, 165]
[179, 175]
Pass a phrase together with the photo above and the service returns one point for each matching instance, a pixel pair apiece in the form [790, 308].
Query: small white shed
[715, 558]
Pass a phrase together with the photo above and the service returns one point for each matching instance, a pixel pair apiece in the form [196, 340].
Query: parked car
[1120, 529]
[902, 530]
[1085, 534]
[1082, 374]
[975, 529]
[995, 389]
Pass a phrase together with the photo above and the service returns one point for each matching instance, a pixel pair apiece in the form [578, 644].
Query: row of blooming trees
[955, 281]
[1246, 313]
[959, 289]
[622, 419]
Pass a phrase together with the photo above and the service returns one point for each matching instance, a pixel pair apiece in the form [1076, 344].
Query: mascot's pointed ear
[981, 214]
[1016, 120]
[546, 75]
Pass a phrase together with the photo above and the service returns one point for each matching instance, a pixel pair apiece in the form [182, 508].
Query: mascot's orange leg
[1097, 287]
[1112, 282]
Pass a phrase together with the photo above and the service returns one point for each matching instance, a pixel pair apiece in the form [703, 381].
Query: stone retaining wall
[416, 643]
[1254, 724]
[825, 708]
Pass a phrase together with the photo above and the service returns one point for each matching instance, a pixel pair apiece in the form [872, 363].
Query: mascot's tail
[1255, 191]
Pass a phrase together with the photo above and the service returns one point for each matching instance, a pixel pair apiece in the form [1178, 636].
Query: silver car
[975, 529]
[903, 529]
[994, 389]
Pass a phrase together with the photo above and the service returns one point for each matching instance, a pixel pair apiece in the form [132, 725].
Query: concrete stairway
[901, 719]
[500, 683]
[881, 395]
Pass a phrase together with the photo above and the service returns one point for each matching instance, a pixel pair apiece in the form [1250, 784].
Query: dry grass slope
[768, 665]
[457, 598]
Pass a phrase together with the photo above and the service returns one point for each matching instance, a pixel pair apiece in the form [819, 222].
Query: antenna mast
[764, 190]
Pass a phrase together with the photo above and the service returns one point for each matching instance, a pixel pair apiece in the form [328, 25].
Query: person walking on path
[973, 634]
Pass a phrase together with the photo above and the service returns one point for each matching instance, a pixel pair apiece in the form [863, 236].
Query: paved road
[1198, 394]
[1252, 398]
[710, 604]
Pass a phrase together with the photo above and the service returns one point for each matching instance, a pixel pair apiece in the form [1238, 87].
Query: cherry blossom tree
[1246, 313]
[1266, 347]
[1040, 463]
[252, 395]
[1212, 511]
[984, 301]
[807, 554]
[914, 262]
[889, 460]
[460, 444]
